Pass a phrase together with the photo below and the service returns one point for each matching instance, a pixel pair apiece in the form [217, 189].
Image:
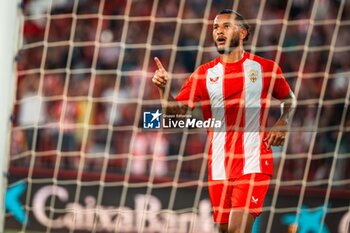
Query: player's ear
[243, 33]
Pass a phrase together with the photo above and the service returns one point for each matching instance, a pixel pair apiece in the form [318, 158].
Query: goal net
[82, 158]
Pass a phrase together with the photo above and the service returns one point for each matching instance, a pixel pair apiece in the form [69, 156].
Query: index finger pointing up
[159, 64]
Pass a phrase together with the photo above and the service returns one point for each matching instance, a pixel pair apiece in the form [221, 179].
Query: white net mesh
[84, 83]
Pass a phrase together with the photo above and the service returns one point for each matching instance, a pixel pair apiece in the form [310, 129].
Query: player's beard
[234, 43]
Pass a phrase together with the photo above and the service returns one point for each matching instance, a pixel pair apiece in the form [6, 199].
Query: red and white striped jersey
[238, 95]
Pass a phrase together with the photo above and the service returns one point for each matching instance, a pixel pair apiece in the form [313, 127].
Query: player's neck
[234, 56]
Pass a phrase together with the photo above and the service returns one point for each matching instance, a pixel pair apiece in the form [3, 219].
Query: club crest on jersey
[214, 79]
[253, 75]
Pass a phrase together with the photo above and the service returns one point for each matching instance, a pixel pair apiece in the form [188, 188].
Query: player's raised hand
[160, 77]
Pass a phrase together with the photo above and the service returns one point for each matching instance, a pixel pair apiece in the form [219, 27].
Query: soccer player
[235, 88]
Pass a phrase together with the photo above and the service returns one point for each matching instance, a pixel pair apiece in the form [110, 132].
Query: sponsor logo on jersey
[255, 200]
[214, 79]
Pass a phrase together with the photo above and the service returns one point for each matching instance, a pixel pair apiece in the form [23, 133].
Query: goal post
[9, 25]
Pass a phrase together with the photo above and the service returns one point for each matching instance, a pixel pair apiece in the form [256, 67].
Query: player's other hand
[160, 78]
[277, 134]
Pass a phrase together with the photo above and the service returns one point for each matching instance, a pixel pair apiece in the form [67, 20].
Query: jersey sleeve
[190, 92]
[281, 88]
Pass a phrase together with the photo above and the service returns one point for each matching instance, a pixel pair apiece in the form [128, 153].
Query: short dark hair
[238, 17]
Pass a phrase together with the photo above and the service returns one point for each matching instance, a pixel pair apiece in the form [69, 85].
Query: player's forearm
[287, 107]
[277, 134]
[170, 104]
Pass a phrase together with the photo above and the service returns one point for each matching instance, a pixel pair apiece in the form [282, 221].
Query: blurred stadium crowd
[84, 79]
